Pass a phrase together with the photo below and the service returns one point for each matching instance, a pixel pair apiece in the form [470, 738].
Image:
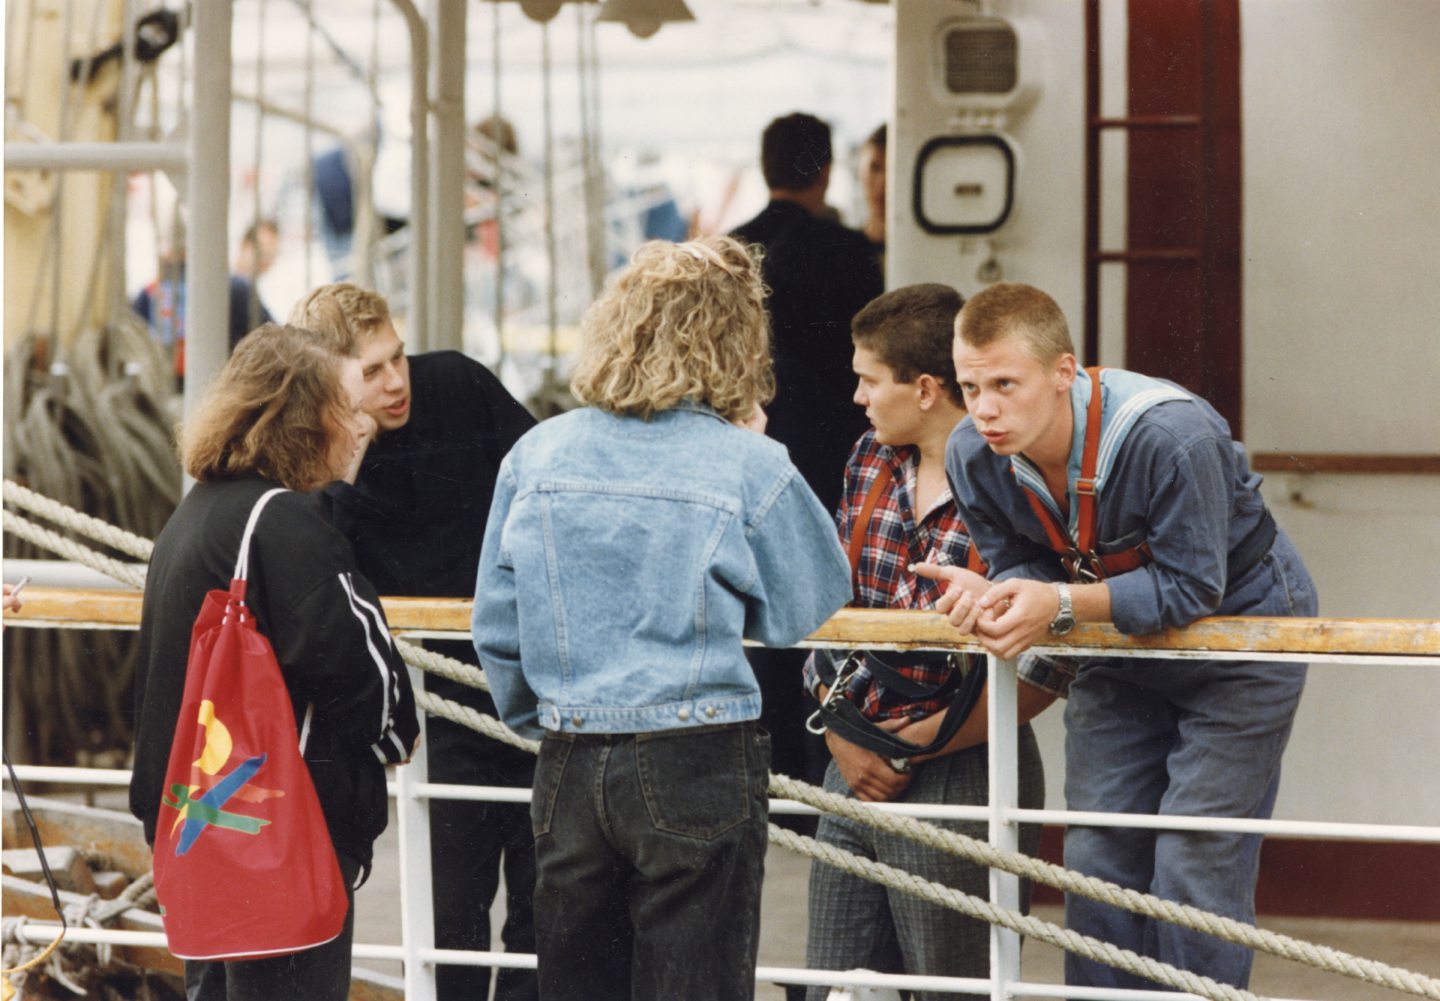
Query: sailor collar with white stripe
[1125, 396]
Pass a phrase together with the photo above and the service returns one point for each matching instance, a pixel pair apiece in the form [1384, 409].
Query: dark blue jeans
[318, 974]
[650, 852]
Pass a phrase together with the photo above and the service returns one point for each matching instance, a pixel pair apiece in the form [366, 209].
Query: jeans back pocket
[699, 783]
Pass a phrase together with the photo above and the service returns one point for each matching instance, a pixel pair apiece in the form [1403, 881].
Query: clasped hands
[1007, 617]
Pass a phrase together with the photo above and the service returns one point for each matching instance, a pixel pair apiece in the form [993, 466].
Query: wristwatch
[1064, 620]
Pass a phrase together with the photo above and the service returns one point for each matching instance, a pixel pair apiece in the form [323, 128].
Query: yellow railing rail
[856, 627]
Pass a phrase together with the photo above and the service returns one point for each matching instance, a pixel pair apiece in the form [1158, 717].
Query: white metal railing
[420, 957]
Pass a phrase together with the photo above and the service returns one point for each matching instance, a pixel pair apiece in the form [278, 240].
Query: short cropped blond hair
[345, 309]
[1011, 309]
[681, 321]
[272, 410]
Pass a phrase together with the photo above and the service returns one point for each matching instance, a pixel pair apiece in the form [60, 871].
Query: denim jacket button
[684, 714]
[577, 720]
[710, 711]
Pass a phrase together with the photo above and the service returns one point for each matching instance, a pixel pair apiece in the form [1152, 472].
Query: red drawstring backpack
[244, 867]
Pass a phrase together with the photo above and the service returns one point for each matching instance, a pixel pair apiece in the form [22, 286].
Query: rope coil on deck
[1015, 863]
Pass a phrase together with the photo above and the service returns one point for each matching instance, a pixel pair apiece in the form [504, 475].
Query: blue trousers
[1179, 738]
[650, 853]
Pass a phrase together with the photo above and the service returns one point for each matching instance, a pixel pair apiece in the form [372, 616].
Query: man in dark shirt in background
[416, 516]
[819, 274]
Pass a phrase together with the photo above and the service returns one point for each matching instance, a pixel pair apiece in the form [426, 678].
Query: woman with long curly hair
[632, 545]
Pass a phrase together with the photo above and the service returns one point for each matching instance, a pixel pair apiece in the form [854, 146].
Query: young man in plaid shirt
[907, 386]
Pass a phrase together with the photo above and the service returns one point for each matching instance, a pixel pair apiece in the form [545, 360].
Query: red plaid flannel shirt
[894, 539]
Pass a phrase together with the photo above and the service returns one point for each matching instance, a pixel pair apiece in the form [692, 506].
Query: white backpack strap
[305, 727]
[242, 563]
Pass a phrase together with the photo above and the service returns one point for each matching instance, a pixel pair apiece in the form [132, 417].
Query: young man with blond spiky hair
[1108, 496]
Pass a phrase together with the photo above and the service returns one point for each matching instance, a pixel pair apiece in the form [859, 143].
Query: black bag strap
[889, 676]
[839, 714]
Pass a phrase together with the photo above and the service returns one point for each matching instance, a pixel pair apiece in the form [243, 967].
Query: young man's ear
[1065, 367]
[930, 390]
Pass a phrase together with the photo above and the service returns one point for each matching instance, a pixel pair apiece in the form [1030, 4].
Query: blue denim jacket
[1178, 482]
[625, 559]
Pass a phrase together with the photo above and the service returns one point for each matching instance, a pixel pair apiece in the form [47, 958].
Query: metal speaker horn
[644, 17]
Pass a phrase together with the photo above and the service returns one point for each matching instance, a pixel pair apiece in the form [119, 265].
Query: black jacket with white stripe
[323, 619]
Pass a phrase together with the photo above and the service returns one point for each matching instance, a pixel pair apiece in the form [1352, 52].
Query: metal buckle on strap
[1086, 487]
[853, 662]
[1083, 568]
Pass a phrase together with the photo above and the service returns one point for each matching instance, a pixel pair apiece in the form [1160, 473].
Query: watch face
[1062, 625]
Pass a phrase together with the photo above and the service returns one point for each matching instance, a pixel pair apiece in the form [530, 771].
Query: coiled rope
[922, 832]
[89, 912]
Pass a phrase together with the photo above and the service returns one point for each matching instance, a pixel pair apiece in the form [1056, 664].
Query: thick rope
[445, 667]
[1227, 929]
[1184, 915]
[91, 912]
[140, 893]
[907, 882]
[78, 522]
[11, 934]
[977, 907]
[73, 551]
[475, 720]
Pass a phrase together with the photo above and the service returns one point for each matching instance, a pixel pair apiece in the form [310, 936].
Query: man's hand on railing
[963, 589]
[1020, 615]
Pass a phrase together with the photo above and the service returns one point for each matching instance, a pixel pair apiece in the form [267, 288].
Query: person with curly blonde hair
[632, 545]
[651, 342]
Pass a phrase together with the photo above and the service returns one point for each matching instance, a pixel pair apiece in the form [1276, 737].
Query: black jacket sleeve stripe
[368, 615]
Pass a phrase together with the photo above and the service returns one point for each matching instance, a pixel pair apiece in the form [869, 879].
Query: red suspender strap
[1123, 562]
[1102, 564]
[1079, 556]
[973, 560]
[1053, 532]
[861, 527]
[1085, 485]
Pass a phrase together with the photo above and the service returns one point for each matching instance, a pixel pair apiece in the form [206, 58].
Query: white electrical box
[964, 184]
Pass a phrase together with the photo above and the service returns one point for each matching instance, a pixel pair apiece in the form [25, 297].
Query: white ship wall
[1341, 243]
[1341, 105]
